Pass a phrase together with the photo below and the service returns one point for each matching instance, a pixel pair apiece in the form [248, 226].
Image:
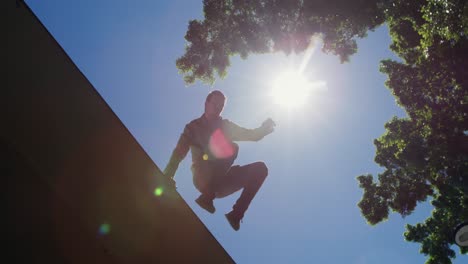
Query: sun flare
[291, 90]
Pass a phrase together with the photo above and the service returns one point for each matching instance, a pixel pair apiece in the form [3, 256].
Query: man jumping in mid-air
[210, 139]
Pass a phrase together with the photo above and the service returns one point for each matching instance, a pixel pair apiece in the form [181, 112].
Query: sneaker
[205, 204]
[234, 220]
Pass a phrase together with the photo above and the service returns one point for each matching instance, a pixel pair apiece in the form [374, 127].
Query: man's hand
[172, 183]
[169, 172]
[268, 126]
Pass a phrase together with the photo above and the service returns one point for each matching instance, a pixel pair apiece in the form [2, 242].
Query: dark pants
[218, 179]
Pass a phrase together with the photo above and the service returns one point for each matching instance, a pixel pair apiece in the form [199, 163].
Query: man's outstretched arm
[238, 133]
[179, 153]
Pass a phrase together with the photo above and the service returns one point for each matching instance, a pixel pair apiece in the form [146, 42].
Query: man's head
[214, 104]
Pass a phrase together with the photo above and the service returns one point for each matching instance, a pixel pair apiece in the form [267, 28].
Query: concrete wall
[70, 166]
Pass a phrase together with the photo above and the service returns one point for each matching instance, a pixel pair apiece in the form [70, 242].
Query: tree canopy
[424, 154]
[242, 27]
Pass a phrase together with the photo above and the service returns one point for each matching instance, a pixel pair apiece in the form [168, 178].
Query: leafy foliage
[241, 27]
[424, 155]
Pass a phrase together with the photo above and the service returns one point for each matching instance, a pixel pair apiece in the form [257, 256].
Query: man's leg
[208, 180]
[203, 182]
[252, 176]
[249, 178]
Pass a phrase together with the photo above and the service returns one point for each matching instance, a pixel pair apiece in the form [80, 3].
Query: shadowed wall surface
[78, 187]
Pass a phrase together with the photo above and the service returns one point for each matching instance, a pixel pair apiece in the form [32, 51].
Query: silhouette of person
[211, 141]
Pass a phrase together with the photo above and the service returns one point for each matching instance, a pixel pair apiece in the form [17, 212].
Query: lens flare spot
[205, 156]
[158, 191]
[104, 229]
[220, 146]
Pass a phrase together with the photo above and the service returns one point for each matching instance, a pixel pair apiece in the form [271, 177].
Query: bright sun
[291, 90]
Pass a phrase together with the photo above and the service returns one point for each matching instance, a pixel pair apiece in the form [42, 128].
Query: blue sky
[307, 210]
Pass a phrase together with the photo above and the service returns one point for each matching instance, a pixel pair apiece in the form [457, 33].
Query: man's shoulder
[195, 122]
[227, 121]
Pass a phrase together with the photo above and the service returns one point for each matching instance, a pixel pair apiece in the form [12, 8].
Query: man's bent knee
[261, 169]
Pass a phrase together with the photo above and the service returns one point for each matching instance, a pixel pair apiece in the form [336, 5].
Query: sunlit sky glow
[306, 211]
[292, 89]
